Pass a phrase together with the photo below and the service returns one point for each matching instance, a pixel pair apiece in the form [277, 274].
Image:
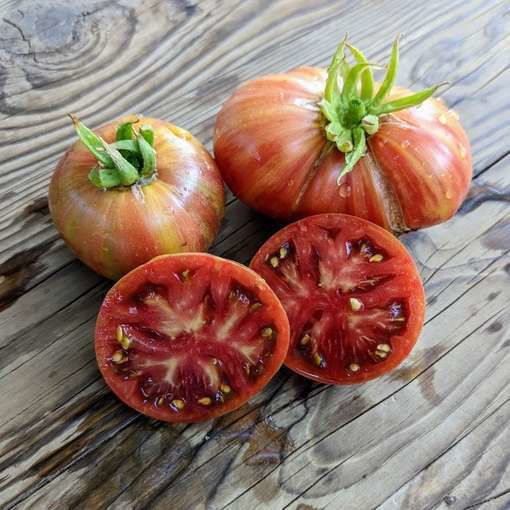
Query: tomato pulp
[188, 337]
[353, 296]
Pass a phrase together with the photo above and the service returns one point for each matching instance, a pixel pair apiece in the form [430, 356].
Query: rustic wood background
[433, 434]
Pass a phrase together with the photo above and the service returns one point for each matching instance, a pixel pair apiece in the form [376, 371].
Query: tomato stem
[351, 110]
[124, 162]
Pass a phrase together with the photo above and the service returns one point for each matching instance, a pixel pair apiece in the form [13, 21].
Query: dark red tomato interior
[353, 296]
[188, 337]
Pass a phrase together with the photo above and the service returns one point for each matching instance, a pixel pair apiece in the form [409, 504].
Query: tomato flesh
[353, 296]
[189, 337]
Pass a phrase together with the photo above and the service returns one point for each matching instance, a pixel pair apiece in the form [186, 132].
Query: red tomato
[271, 147]
[116, 230]
[352, 294]
[189, 337]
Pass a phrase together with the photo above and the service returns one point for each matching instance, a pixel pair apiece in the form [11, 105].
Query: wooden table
[433, 434]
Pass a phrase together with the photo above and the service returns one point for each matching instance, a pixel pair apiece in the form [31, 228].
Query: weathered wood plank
[67, 442]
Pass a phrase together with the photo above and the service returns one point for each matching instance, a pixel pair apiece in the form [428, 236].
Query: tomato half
[353, 296]
[188, 337]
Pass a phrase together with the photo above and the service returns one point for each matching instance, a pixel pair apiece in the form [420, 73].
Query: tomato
[292, 144]
[115, 222]
[353, 296]
[188, 337]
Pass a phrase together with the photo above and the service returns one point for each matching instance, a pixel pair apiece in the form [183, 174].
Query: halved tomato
[353, 296]
[188, 337]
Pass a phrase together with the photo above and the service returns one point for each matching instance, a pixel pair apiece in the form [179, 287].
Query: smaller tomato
[134, 189]
[353, 296]
[188, 337]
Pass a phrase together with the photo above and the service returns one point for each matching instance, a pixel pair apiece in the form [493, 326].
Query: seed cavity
[178, 404]
[354, 367]
[204, 401]
[376, 258]
[383, 347]
[274, 261]
[118, 357]
[267, 332]
[356, 304]
[225, 388]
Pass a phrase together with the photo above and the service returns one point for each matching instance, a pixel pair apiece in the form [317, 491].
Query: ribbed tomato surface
[270, 146]
[116, 230]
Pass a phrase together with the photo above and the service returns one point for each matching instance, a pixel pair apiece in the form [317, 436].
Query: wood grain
[430, 435]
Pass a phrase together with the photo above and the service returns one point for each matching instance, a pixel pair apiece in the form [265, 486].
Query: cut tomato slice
[353, 296]
[189, 337]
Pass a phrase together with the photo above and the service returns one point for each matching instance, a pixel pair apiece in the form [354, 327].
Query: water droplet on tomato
[345, 190]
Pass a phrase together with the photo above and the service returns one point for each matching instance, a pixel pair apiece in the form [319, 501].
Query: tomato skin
[271, 149]
[115, 231]
[405, 283]
[155, 270]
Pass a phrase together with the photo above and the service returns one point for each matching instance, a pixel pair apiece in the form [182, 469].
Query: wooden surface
[433, 434]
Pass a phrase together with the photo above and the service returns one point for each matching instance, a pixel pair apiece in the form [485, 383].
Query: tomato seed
[160, 401]
[178, 404]
[274, 261]
[283, 252]
[381, 354]
[118, 357]
[125, 342]
[119, 333]
[255, 306]
[205, 401]
[306, 338]
[317, 359]
[354, 367]
[376, 258]
[356, 304]
[185, 274]
[442, 118]
[267, 332]
[383, 347]
[225, 388]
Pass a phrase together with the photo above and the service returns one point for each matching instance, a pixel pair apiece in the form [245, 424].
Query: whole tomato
[309, 141]
[134, 189]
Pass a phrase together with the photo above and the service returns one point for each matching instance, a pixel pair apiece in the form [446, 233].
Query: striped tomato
[309, 141]
[135, 189]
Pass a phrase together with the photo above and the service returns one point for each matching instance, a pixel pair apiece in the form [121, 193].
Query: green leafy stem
[352, 111]
[131, 159]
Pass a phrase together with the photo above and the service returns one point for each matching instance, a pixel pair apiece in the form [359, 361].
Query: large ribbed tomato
[280, 148]
[175, 207]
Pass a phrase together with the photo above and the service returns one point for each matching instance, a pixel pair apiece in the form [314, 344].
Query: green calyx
[351, 113]
[131, 159]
